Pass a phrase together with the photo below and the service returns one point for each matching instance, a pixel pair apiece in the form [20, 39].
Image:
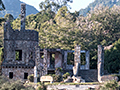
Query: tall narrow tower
[23, 14]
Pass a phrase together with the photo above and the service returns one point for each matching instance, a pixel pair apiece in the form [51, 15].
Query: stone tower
[19, 50]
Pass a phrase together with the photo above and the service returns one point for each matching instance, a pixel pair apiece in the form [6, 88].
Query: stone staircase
[88, 75]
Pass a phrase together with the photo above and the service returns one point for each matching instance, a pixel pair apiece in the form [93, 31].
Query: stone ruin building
[22, 54]
[19, 50]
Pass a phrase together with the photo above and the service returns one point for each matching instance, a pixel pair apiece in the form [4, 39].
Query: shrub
[59, 69]
[111, 85]
[42, 86]
[66, 75]
[57, 78]
[31, 78]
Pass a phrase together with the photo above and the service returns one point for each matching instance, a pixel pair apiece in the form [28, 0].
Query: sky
[75, 6]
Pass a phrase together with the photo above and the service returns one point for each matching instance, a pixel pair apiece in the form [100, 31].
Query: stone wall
[18, 73]
[89, 75]
[27, 48]
[29, 35]
[58, 60]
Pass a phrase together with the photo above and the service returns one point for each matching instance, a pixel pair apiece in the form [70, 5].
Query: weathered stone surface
[23, 43]
[45, 64]
[77, 54]
[58, 60]
[77, 61]
[65, 60]
[90, 75]
[18, 73]
[100, 62]
[23, 14]
[35, 74]
[76, 69]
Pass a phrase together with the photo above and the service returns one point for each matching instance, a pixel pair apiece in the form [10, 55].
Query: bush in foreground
[111, 85]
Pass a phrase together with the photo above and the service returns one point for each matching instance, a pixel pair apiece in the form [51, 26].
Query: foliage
[83, 59]
[1, 55]
[42, 86]
[111, 85]
[31, 78]
[9, 17]
[53, 5]
[6, 84]
[66, 75]
[112, 58]
[59, 69]
[70, 59]
[57, 78]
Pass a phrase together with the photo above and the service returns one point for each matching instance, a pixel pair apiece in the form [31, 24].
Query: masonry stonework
[18, 73]
[77, 60]
[19, 50]
[100, 62]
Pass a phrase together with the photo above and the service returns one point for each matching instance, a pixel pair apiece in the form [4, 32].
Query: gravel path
[70, 87]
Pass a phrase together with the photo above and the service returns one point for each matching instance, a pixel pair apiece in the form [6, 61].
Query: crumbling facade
[23, 56]
[19, 50]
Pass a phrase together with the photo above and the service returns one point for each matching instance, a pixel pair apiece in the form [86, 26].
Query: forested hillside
[98, 3]
[63, 29]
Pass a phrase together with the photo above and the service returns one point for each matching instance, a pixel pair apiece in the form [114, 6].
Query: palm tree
[2, 7]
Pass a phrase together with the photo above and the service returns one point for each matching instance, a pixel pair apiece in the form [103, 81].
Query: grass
[59, 83]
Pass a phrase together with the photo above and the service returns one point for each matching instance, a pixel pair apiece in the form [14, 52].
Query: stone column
[23, 14]
[45, 62]
[87, 60]
[77, 54]
[77, 61]
[100, 62]
[37, 56]
[65, 60]
[38, 60]
[35, 74]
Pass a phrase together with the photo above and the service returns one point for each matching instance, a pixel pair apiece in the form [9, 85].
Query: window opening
[31, 55]
[25, 75]
[83, 59]
[10, 75]
[18, 54]
[52, 60]
[70, 58]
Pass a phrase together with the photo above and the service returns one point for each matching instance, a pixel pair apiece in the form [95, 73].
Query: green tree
[2, 5]
[112, 58]
[53, 5]
[9, 17]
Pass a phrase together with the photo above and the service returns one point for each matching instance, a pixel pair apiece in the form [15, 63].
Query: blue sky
[76, 5]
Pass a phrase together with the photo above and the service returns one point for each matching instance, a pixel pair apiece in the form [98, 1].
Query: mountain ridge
[13, 8]
[92, 5]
